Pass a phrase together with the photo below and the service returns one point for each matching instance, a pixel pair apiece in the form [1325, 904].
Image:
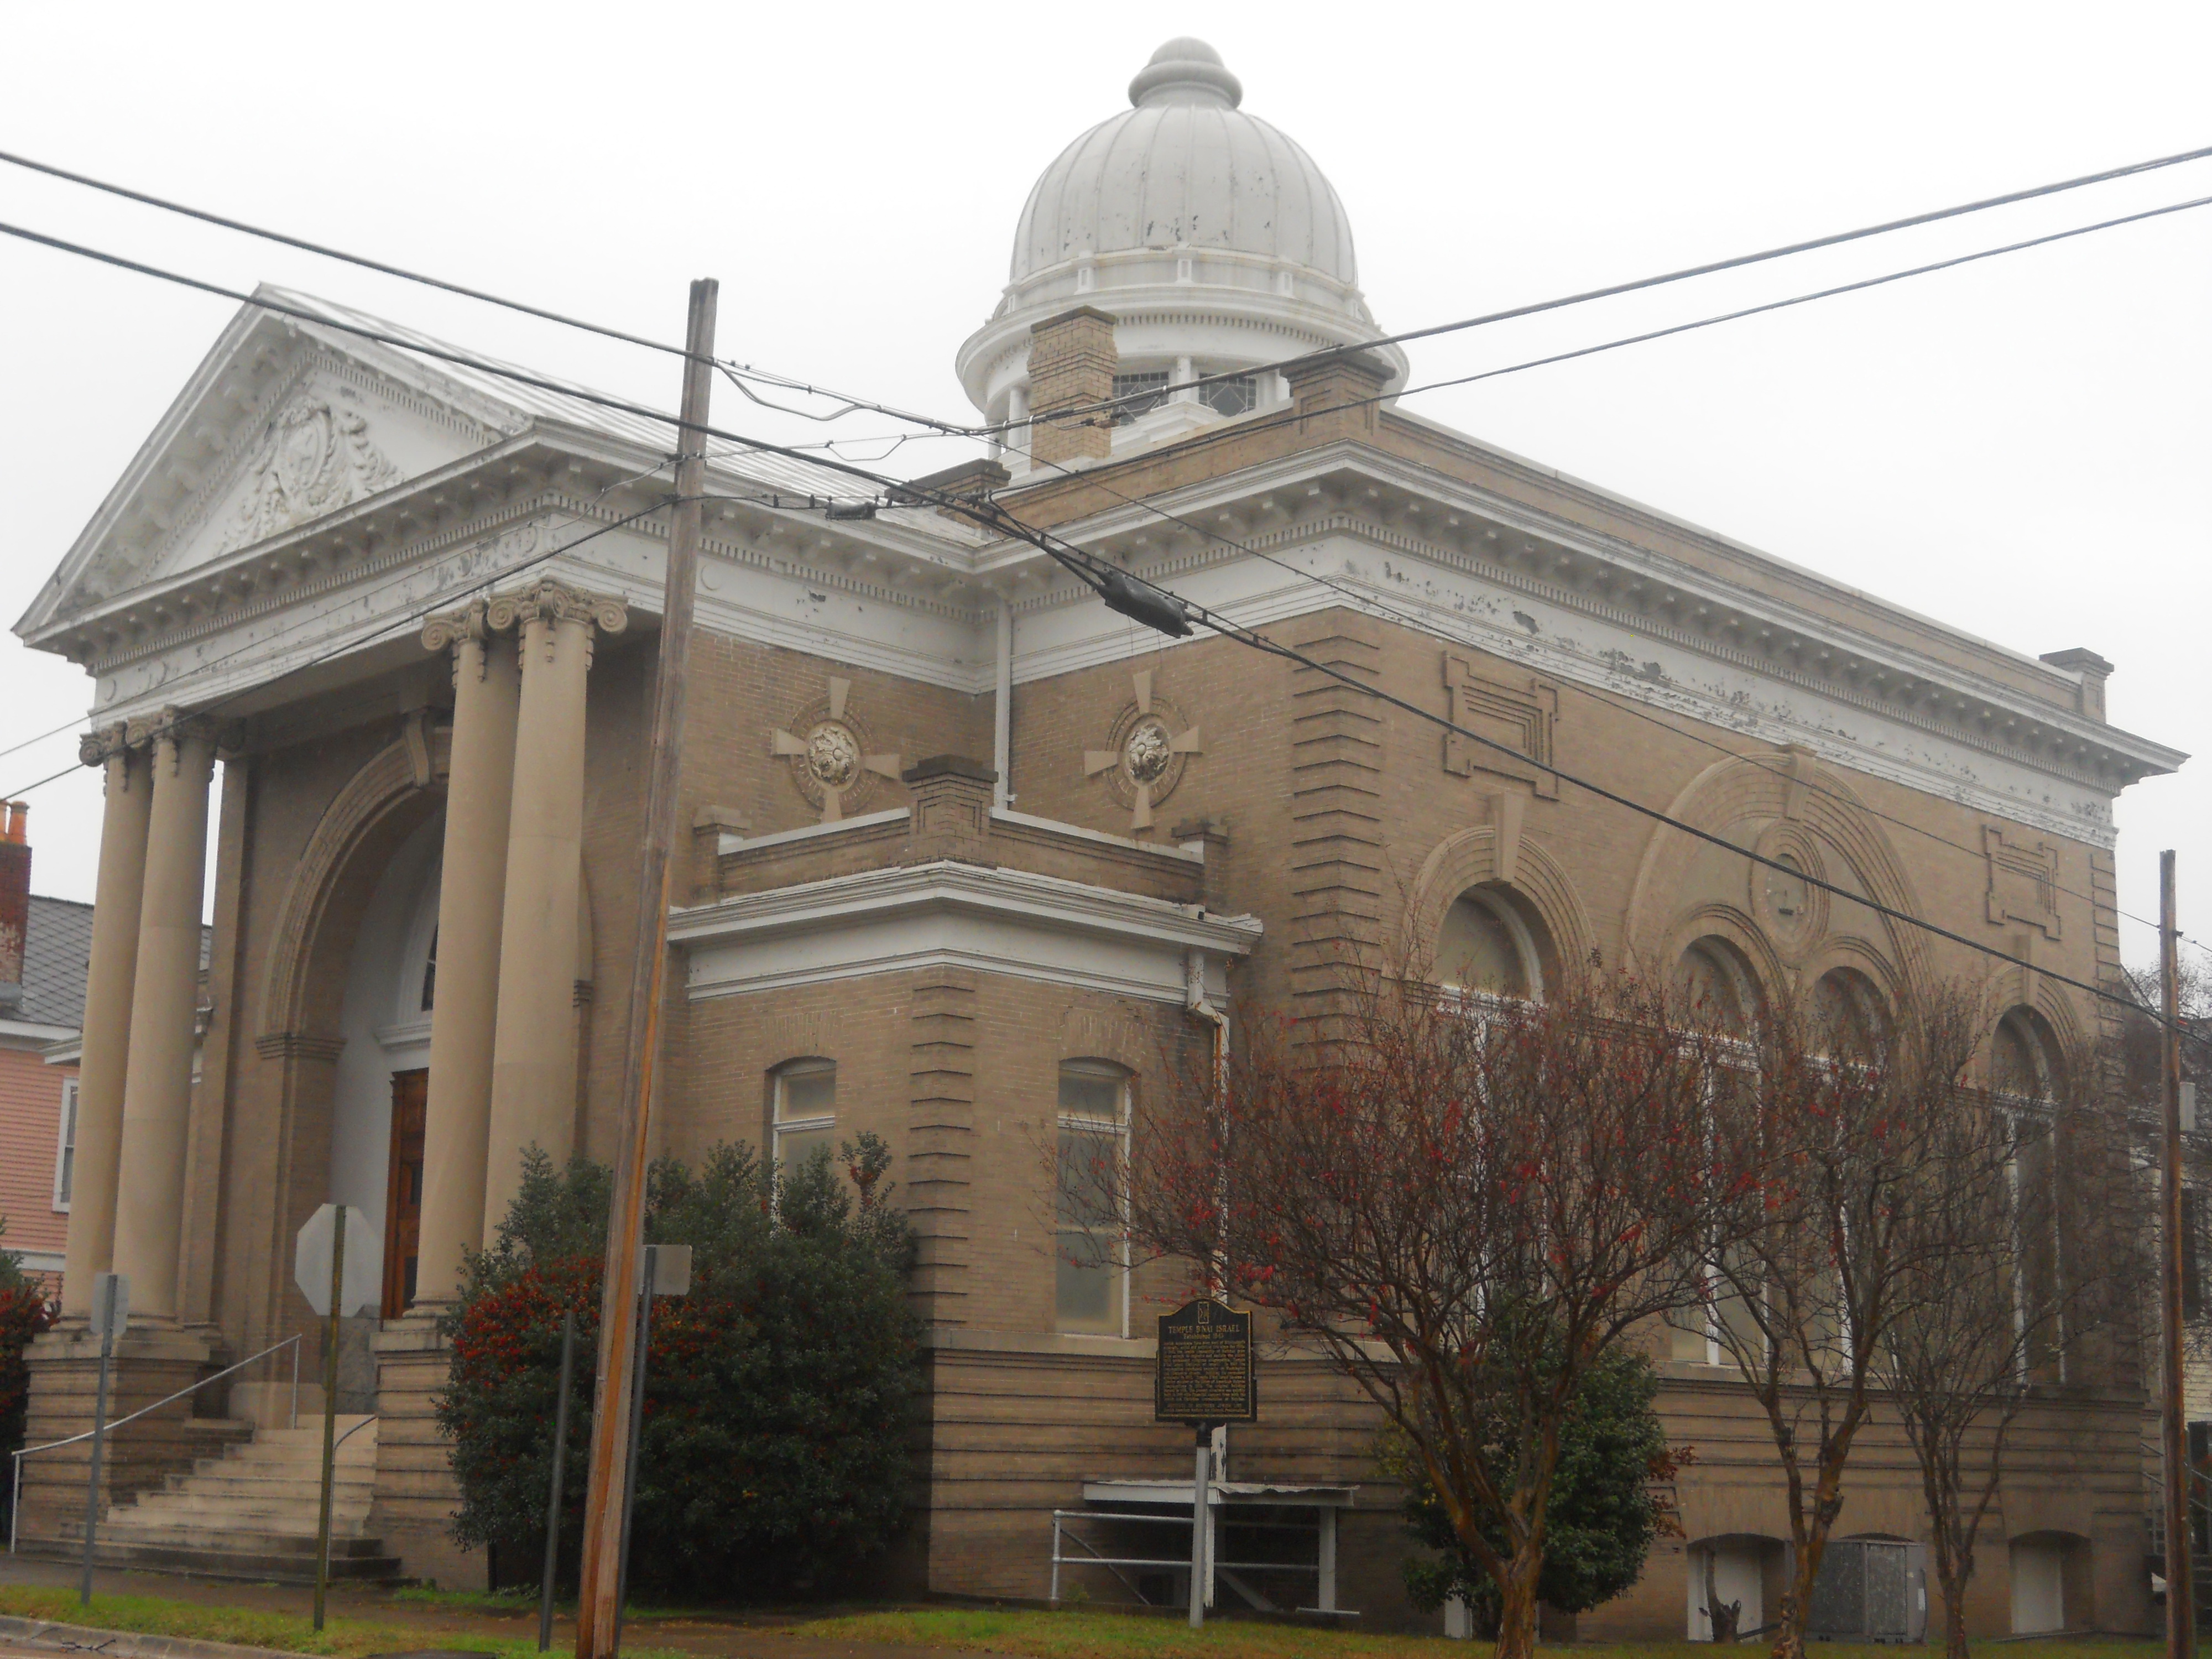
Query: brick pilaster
[1336, 812]
[1071, 364]
[940, 1139]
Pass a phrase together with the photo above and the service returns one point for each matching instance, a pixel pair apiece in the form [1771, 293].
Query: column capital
[99, 747]
[457, 628]
[170, 731]
[556, 602]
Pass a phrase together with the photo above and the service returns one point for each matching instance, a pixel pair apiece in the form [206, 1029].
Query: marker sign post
[334, 1287]
[1204, 1377]
[667, 1271]
[111, 1312]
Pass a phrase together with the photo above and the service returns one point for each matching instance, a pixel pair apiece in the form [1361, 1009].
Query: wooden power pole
[2180, 1595]
[597, 1614]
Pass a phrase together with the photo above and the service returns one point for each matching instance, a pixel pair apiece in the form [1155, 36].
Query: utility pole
[2180, 1594]
[598, 1612]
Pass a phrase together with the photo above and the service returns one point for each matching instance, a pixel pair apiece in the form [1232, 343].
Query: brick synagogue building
[970, 855]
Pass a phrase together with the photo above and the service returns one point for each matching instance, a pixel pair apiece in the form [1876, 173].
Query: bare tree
[1450, 1197]
[2009, 1272]
[1848, 1131]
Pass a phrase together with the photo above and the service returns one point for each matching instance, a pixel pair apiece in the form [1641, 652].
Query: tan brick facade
[1345, 827]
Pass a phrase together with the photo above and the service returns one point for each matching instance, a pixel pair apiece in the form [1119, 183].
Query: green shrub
[777, 1450]
[24, 1312]
[1604, 1513]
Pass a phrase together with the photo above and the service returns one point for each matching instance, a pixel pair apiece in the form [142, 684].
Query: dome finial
[1186, 71]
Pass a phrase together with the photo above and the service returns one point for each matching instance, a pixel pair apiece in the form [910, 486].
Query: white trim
[1001, 922]
[404, 1036]
[64, 1144]
[735, 843]
[31, 1034]
[1194, 853]
[38, 1261]
[68, 1052]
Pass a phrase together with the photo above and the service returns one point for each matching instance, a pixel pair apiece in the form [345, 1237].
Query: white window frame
[778, 1125]
[1116, 1128]
[1524, 947]
[65, 1147]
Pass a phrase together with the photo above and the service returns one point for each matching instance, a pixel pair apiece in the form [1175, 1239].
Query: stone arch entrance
[298, 1036]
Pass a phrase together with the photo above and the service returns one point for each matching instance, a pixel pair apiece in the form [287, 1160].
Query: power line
[443, 601]
[1132, 595]
[1247, 428]
[732, 369]
[306, 247]
[1735, 263]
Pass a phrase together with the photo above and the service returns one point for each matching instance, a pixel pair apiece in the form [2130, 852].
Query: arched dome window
[1850, 1011]
[2024, 1055]
[1716, 983]
[1490, 942]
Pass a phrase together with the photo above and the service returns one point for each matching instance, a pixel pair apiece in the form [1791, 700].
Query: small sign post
[319, 1267]
[667, 1271]
[111, 1312]
[560, 1466]
[1203, 1377]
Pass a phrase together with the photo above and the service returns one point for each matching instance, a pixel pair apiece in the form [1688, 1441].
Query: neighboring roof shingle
[56, 948]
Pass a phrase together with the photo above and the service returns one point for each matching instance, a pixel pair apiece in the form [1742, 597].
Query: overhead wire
[445, 601]
[732, 368]
[1088, 568]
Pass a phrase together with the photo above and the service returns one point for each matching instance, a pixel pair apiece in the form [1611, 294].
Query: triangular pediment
[284, 422]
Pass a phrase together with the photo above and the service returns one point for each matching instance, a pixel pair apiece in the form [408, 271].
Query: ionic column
[471, 893]
[157, 1086]
[106, 1036]
[533, 1073]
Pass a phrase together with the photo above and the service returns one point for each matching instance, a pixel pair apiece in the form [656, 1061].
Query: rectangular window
[1090, 1282]
[65, 1149]
[1151, 381]
[1239, 395]
[805, 1112]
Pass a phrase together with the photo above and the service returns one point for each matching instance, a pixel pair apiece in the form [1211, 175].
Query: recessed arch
[1474, 858]
[379, 806]
[1775, 791]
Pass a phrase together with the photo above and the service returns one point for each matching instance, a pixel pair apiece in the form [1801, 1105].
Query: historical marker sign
[1205, 1367]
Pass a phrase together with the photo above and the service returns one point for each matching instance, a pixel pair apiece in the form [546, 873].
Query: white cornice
[946, 913]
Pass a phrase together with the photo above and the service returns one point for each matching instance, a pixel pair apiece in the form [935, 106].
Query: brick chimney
[1338, 397]
[1071, 364]
[15, 899]
[951, 810]
[2094, 671]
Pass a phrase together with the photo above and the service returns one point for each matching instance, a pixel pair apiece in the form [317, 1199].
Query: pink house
[43, 945]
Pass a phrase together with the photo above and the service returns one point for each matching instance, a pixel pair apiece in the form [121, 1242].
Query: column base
[416, 1494]
[152, 1360]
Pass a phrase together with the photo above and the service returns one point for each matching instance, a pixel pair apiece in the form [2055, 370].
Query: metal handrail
[15, 1510]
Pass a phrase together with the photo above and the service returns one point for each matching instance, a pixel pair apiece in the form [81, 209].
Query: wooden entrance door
[403, 1197]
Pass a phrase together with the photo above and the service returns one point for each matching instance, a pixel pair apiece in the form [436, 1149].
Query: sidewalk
[737, 1634]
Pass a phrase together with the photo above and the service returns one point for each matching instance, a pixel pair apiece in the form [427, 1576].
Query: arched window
[1492, 942]
[2024, 1069]
[1718, 985]
[2023, 1056]
[1851, 1015]
[1090, 1291]
[805, 1117]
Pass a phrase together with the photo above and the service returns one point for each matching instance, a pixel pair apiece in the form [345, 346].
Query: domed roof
[1211, 240]
[1185, 165]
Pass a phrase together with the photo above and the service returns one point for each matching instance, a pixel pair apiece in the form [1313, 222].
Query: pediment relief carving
[317, 456]
[261, 453]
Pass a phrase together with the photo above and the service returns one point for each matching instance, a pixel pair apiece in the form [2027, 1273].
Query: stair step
[255, 1557]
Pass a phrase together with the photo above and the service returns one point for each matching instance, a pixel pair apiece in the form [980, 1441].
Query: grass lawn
[1094, 1635]
[255, 1627]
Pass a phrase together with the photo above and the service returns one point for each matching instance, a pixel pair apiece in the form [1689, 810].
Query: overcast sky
[2018, 448]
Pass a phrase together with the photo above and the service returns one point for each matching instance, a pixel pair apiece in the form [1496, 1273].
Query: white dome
[1185, 166]
[1209, 235]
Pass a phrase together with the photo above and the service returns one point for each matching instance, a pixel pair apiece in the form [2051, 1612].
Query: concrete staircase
[253, 1512]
